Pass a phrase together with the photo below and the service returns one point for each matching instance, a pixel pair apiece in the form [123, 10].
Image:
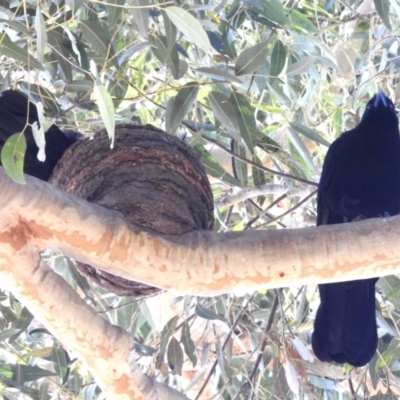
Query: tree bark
[154, 179]
[107, 349]
[199, 262]
[37, 216]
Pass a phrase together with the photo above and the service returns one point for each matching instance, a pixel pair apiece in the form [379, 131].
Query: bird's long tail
[345, 327]
[15, 113]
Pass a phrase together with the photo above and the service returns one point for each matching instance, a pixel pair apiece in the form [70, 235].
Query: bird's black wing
[360, 179]
[325, 213]
[16, 112]
[345, 326]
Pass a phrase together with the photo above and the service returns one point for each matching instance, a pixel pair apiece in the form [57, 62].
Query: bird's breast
[366, 182]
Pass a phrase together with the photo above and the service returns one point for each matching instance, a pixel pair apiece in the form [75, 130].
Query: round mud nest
[154, 179]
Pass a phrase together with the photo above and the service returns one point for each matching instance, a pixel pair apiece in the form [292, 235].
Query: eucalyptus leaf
[189, 26]
[4, 335]
[205, 313]
[301, 66]
[170, 30]
[181, 105]
[251, 59]
[188, 344]
[168, 56]
[96, 34]
[244, 113]
[278, 58]
[166, 334]
[309, 133]
[217, 74]
[114, 10]
[16, 26]
[383, 8]
[140, 13]
[130, 51]
[60, 50]
[303, 151]
[60, 361]
[240, 167]
[22, 322]
[274, 11]
[214, 168]
[225, 112]
[80, 85]
[10, 49]
[12, 157]
[27, 373]
[257, 17]
[41, 37]
[175, 356]
[106, 108]
[183, 68]
[258, 177]
[300, 22]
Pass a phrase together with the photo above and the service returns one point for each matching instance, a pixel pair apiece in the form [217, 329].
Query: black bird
[360, 179]
[15, 112]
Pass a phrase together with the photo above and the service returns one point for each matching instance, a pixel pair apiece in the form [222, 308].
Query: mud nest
[154, 179]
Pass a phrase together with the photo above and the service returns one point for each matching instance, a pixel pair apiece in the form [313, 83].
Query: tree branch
[107, 349]
[200, 262]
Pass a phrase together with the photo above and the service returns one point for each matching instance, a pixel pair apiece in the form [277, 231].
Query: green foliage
[12, 157]
[267, 83]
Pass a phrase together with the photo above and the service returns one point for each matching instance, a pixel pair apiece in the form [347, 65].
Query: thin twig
[263, 212]
[228, 336]
[260, 167]
[269, 215]
[263, 345]
[300, 203]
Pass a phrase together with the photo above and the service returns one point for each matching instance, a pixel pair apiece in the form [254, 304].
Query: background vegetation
[260, 88]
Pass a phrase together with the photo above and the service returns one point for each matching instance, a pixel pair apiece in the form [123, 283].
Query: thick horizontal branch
[201, 262]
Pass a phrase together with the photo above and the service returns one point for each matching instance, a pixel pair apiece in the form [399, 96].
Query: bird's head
[380, 108]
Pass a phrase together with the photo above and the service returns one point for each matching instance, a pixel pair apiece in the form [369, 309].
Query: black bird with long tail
[360, 179]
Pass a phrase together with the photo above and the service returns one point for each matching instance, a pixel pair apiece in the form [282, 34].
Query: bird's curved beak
[380, 97]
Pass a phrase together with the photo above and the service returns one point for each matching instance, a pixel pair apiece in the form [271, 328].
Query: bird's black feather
[360, 179]
[16, 112]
